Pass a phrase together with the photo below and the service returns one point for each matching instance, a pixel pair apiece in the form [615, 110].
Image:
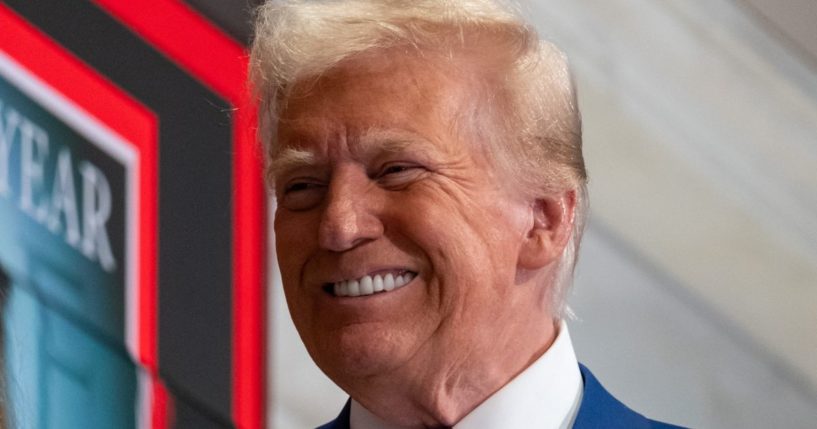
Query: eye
[397, 175]
[299, 186]
[394, 169]
[298, 195]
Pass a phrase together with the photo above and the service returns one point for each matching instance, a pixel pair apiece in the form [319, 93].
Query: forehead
[387, 98]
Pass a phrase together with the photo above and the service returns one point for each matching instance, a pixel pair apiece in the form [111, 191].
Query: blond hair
[534, 93]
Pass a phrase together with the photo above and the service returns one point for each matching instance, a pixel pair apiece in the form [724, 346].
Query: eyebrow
[293, 158]
[386, 140]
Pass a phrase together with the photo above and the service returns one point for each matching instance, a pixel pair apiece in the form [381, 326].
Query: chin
[357, 352]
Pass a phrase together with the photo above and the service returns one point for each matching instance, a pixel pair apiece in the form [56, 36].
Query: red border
[202, 49]
[136, 124]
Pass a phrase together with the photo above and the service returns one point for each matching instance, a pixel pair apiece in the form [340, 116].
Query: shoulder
[599, 409]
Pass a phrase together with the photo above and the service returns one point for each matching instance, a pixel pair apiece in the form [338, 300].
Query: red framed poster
[162, 91]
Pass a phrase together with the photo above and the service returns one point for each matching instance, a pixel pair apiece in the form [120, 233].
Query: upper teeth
[368, 285]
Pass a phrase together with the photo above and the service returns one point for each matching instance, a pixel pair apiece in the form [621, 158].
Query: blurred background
[696, 289]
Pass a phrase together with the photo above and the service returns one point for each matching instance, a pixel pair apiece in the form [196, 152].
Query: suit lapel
[599, 409]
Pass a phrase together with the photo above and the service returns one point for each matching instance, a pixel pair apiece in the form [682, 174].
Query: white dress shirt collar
[545, 395]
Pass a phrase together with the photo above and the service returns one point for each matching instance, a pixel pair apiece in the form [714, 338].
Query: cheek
[294, 237]
[466, 243]
[475, 253]
[296, 230]
[479, 229]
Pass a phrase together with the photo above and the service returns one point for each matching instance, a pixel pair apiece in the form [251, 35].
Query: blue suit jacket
[598, 410]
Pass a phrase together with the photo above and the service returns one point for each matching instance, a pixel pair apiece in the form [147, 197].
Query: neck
[444, 398]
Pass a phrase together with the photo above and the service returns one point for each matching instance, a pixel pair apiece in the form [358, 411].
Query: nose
[349, 218]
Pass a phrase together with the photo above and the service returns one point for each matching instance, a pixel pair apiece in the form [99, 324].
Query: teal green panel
[22, 347]
[61, 377]
[88, 383]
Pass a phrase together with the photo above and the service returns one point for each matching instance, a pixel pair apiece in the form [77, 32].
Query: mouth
[371, 284]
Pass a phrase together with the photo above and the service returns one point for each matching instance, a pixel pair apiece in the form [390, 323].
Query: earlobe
[549, 230]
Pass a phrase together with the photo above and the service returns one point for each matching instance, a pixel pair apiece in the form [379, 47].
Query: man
[426, 159]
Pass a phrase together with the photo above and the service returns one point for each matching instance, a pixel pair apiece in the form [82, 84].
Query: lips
[371, 284]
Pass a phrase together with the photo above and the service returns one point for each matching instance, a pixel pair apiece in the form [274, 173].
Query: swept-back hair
[531, 91]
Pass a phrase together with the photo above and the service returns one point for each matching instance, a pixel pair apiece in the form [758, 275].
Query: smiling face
[398, 242]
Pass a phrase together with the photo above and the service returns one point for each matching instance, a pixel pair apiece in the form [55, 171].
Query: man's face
[378, 178]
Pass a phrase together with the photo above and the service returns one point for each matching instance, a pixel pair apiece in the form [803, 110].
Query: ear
[549, 231]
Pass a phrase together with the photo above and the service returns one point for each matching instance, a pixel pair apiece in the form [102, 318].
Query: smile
[372, 284]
